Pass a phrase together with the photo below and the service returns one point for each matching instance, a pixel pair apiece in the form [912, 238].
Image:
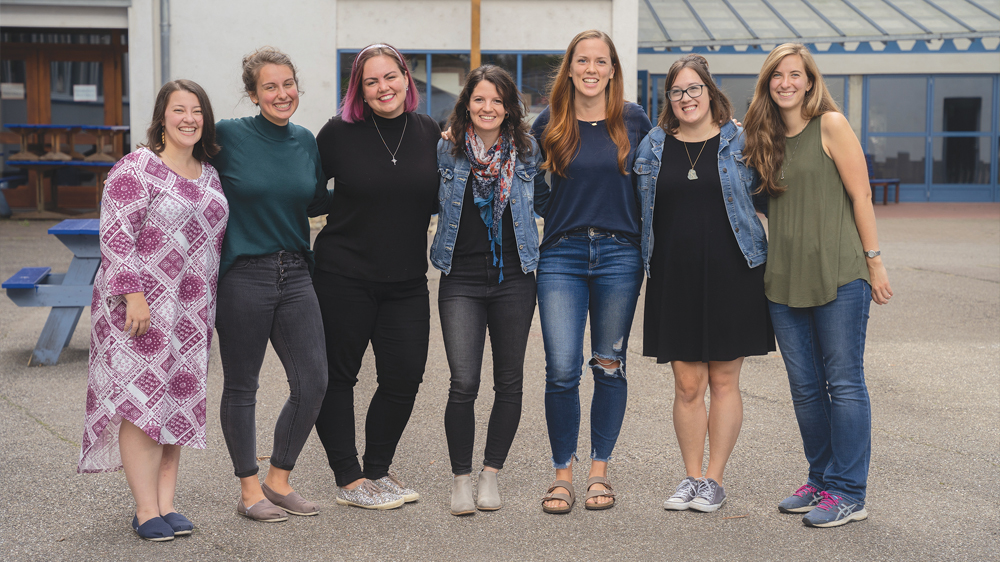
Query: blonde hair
[765, 129]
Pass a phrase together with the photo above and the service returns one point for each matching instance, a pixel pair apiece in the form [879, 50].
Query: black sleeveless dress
[703, 302]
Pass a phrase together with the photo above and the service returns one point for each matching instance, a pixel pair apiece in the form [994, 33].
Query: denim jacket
[528, 192]
[738, 184]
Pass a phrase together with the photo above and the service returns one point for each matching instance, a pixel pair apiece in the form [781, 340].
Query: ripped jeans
[600, 273]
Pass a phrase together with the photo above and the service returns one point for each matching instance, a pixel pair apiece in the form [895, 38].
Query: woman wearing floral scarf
[488, 255]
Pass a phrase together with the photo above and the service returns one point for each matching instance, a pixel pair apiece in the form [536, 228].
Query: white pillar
[625, 33]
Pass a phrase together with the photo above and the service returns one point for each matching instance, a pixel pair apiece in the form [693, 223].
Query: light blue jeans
[600, 273]
[823, 348]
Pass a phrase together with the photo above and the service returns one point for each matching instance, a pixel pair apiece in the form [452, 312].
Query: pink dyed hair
[354, 108]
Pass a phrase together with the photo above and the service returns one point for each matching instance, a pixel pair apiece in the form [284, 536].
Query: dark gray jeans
[265, 298]
[471, 300]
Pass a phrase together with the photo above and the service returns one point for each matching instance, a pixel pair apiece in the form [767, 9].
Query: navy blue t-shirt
[595, 193]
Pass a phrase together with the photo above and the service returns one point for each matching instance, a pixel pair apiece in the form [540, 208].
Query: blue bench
[66, 293]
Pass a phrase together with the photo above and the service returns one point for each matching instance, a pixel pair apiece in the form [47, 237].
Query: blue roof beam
[787, 23]
[656, 17]
[907, 16]
[983, 8]
[823, 17]
[700, 21]
[865, 16]
[739, 17]
[949, 14]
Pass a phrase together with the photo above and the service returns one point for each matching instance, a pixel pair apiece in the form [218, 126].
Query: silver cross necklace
[400, 143]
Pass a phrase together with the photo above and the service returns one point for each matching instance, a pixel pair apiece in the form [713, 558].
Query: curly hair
[513, 127]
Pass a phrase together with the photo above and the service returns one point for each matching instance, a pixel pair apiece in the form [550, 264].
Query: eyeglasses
[693, 91]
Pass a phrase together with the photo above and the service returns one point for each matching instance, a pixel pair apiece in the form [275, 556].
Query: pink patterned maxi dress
[160, 234]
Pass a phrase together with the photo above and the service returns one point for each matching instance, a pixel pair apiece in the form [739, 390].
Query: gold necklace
[692, 175]
[789, 159]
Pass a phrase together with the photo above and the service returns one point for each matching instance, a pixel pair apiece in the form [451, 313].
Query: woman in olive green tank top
[823, 270]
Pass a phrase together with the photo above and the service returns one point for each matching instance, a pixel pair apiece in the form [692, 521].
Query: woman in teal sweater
[271, 174]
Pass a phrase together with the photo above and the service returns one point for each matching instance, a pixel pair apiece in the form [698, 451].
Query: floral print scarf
[492, 176]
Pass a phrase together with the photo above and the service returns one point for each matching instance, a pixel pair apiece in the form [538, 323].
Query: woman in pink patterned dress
[163, 218]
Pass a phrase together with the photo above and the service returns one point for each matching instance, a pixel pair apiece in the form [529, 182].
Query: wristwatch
[872, 253]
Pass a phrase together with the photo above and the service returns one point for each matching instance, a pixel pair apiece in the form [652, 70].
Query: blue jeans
[586, 270]
[823, 348]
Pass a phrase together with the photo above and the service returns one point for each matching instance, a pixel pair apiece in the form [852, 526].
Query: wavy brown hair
[513, 127]
[206, 147]
[561, 138]
[765, 129]
[722, 109]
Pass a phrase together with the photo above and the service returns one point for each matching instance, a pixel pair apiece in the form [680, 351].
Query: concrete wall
[209, 39]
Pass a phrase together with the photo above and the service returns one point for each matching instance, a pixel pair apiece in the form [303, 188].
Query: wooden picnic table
[67, 293]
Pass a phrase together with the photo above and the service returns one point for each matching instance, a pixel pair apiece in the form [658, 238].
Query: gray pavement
[933, 368]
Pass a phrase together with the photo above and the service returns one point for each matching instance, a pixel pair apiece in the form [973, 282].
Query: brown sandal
[570, 498]
[609, 492]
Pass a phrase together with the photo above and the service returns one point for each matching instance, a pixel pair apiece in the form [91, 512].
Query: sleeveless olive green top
[813, 242]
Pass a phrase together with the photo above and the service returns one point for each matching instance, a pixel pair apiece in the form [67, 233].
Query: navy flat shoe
[156, 529]
[180, 524]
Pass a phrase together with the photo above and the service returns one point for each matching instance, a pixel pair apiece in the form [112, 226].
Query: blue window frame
[937, 133]
[438, 100]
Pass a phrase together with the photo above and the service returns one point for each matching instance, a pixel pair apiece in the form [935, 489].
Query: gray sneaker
[686, 491]
[393, 485]
[802, 501]
[369, 496]
[711, 496]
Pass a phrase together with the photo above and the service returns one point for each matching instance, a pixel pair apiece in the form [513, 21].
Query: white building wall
[143, 62]
[904, 63]
[209, 39]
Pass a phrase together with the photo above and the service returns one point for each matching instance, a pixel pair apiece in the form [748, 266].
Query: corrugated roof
[701, 23]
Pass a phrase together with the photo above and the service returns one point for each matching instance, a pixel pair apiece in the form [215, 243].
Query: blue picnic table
[67, 293]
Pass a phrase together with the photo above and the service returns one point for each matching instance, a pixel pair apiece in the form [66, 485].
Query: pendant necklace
[789, 159]
[692, 175]
[400, 143]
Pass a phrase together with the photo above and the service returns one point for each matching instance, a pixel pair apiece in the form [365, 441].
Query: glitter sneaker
[686, 491]
[802, 501]
[834, 511]
[369, 496]
[393, 485]
[711, 496]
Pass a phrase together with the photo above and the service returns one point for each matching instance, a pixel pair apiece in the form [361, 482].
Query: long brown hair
[764, 127]
[513, 126]
[206, 147]
[561, 138]
[722, 109]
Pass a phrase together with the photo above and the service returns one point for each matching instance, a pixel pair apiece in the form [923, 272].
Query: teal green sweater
[274, 181]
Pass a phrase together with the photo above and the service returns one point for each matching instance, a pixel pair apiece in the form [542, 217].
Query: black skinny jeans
[470, 300]
[395, 318]
[269, 298]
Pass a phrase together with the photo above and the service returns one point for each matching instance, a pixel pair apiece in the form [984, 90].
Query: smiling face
[591, 68]
[790, 83]
[691, 111]
[384, 86]
[486, 110]
[276, 93]
[182, 121]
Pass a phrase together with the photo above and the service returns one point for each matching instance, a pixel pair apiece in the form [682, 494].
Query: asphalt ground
[933, 368]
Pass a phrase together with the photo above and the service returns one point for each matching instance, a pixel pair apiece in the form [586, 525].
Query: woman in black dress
[705, 308]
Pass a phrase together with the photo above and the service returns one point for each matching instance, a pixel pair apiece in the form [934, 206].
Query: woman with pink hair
[371, 265]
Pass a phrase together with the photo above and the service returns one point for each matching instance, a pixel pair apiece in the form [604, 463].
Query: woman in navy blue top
[590, 262]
